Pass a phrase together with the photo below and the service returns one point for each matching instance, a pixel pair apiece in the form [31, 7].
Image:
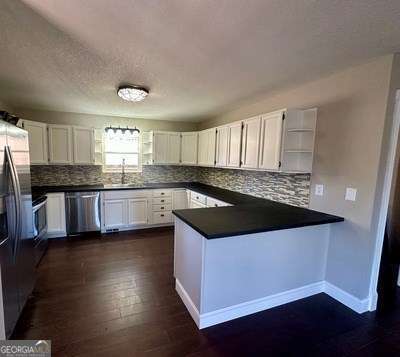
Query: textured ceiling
[198, 57]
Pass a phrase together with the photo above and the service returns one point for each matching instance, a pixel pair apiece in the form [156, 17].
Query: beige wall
[351, 115]
[101, 121]
[6, 107]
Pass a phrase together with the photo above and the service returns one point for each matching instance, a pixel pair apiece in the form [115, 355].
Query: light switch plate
[351, 194]
[319, 190]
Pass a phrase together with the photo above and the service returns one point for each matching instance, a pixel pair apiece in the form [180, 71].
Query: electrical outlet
[319, 190]
[351, 194]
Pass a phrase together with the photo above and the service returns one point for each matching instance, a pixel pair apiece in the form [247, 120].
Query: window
[121, 148]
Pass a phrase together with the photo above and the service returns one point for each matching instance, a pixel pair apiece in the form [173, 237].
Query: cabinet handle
[161, 215]
[162, 193]
[162, 200]
[162, 207]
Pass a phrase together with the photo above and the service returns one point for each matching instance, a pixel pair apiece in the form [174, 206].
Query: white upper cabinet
[206, 155]
[271, 136]
[174, 148]
[160, 147]
[84, 145]
[298, 140]
[234, 144]
[37, 133]
[189, 148]
[221, 152]
[251, 142]
[60, 144]
[166, 147]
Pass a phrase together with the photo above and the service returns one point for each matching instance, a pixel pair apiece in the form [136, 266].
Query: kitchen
[208, 222]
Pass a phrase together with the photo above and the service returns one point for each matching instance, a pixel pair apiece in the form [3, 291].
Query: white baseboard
[268, 302]
[246, 308]
[253, 306]
[188, 302]
[347, 299]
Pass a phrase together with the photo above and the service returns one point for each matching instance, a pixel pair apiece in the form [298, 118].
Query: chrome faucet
[123, 172]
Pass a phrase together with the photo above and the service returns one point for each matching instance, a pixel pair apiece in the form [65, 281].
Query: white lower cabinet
[212, 202]
[132, 209]
[196, 204]
[180, 199]
[55, 215]
[115, 213]
[137, 211]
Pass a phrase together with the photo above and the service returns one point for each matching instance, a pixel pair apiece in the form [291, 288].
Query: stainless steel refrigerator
[16, 226]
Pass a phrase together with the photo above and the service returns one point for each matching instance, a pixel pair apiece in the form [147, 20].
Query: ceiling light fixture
[132, 93]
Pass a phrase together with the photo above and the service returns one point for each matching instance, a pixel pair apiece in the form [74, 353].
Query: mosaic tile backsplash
[288, 188]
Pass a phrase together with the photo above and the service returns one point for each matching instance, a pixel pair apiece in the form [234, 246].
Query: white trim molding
[188, 302]
[268, 302]
[347, 299]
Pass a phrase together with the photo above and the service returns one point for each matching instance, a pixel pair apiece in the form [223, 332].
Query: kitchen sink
[116, 185]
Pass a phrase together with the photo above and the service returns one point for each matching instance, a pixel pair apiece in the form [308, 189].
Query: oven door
[39, 220]
[40, 228]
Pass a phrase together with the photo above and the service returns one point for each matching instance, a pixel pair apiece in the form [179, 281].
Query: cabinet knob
[162, 193]
[162, 207]
[162, 200]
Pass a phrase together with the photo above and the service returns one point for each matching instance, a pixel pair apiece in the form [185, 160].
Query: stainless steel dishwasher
[82, 211]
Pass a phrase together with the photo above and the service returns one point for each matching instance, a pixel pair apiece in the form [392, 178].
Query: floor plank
[115, 295]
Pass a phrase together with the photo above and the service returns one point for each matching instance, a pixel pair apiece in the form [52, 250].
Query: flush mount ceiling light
[132, 93]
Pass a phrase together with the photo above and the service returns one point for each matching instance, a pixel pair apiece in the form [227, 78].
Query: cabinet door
[55, 214]
[137, 211]
[251, 142]
[179, 199]
[196, 204]
[160, 148]
[83, 140]
[115, 213]
[189, 148]
[202, 152]
[271, 138]
[174, 148]
[234, 144]
[60, 144]
[207, 147]
[37, 133]
[221, 151]
[211, 147]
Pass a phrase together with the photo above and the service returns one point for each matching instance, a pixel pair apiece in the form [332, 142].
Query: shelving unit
[98, 146]
[298, 140]
[147, 148]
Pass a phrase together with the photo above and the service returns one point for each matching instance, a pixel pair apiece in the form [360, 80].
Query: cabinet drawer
[161, 200]
[162, 193]
[121, 194]
[198, 197]
[212, 202]
[159, 208]
[162, 217]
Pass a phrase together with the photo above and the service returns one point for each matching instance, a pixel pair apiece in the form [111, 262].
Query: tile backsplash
[289, 188]
[43, 175]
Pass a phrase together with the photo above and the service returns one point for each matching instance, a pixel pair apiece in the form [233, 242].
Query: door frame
[384, 204]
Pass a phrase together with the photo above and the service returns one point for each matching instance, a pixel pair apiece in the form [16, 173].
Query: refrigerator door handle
[17, 195]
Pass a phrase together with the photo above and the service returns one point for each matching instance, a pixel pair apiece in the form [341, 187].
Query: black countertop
[248, 214]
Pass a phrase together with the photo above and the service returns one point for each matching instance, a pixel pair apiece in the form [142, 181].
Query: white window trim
[128, 169]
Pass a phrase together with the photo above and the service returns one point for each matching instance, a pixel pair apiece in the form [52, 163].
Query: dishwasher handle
[80, 197]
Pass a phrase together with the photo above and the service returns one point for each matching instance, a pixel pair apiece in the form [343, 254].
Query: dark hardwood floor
[115, 296]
